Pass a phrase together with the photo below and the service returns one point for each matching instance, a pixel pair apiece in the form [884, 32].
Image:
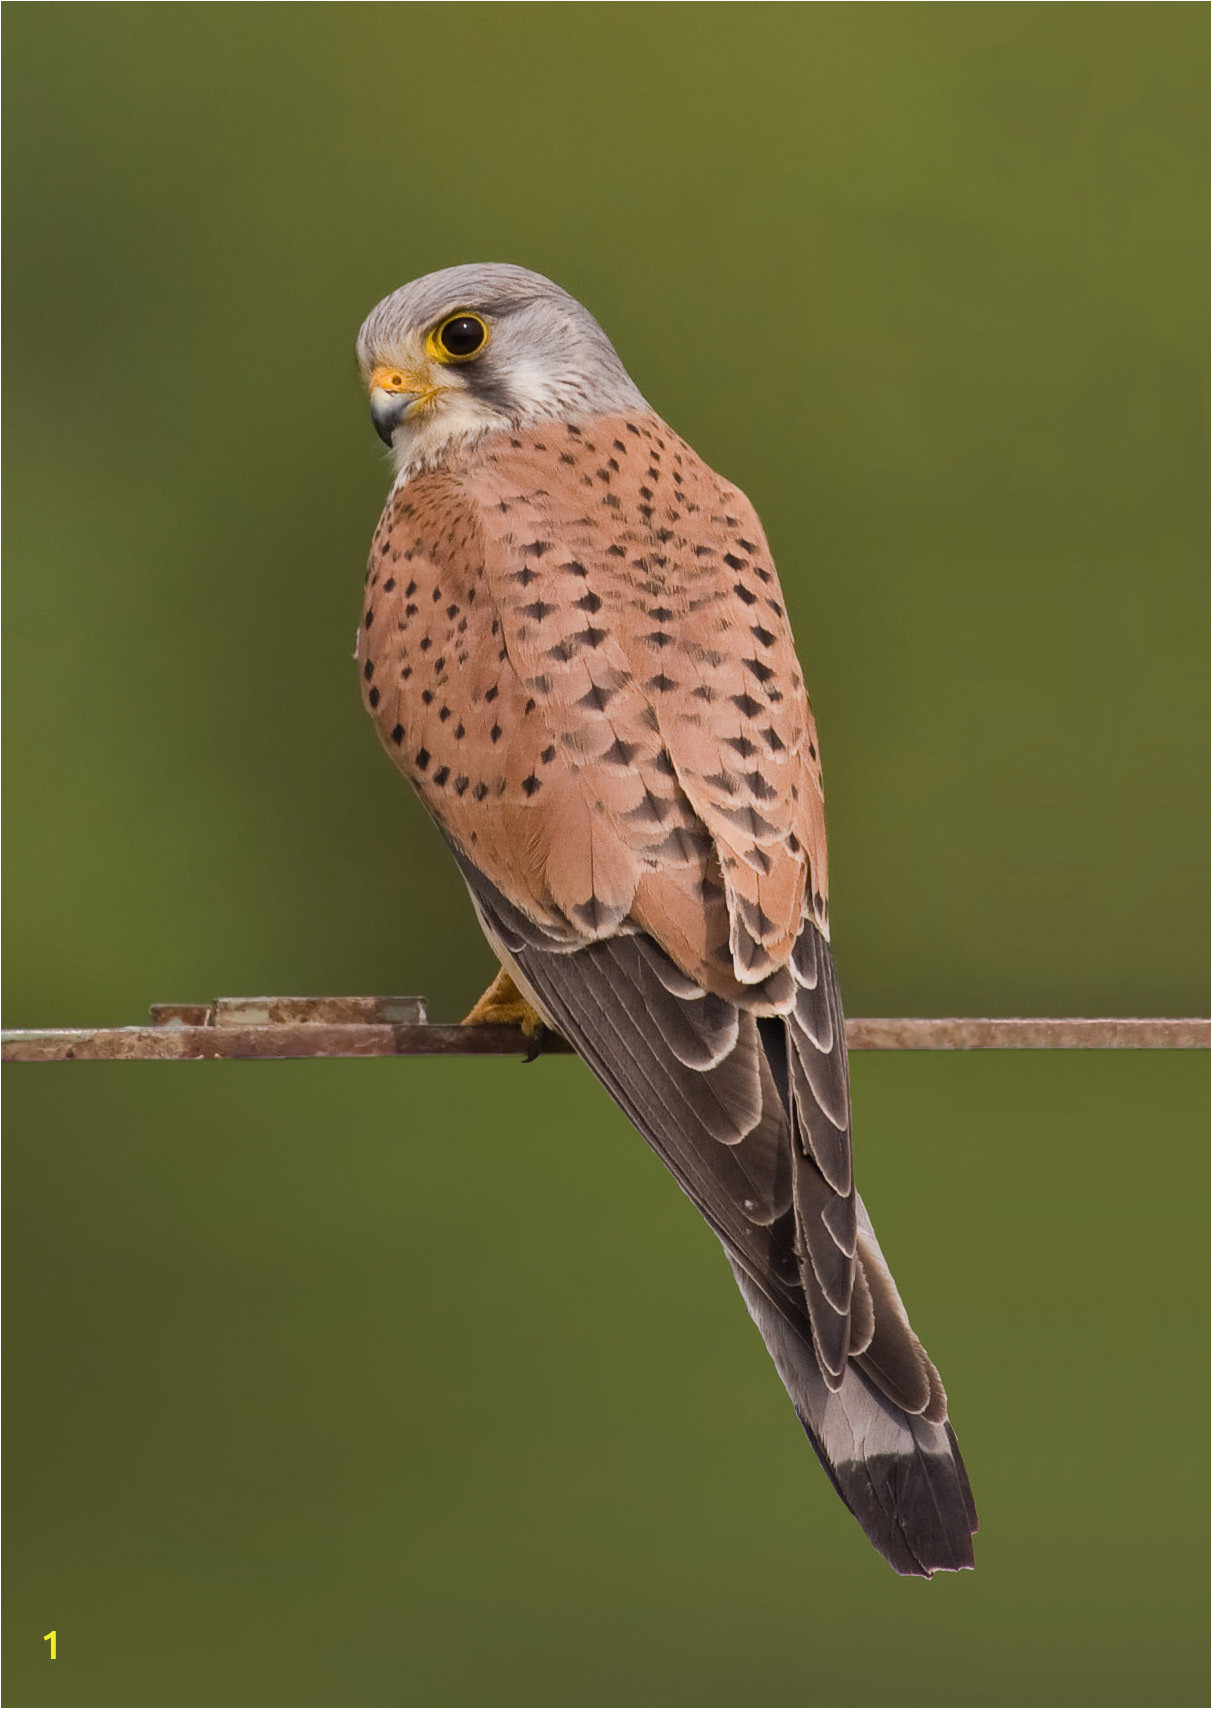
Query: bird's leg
[503, 1005]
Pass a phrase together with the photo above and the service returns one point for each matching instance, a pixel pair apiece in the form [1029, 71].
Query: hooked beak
[392, 395]
[388, 409]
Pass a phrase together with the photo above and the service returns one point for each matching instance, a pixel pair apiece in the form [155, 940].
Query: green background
[418, 1382]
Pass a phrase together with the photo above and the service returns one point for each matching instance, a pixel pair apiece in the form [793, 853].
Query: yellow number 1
[49, 1637]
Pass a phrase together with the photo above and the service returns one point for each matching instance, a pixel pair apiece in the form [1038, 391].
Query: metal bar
[260, 1028]
[1066, 1033]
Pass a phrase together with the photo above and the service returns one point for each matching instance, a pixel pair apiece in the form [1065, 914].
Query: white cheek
[533, 387]
[423, 442]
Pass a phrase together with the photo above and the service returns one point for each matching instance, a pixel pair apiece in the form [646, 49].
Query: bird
[575, 647]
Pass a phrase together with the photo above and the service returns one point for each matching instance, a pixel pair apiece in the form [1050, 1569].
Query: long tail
[900, 1475]
[752, 1117]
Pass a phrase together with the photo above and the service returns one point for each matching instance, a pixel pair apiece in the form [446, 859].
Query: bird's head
[456, 354]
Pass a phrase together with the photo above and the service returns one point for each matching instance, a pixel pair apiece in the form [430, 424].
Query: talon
[503, 1005]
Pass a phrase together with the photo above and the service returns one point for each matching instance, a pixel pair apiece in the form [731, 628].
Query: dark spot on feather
[683, 844]
[749, 819]
[653, 808]
[746, 705]
[422, 758]
[590, 914]
[531, 784]
[397, 734]
[373, 697]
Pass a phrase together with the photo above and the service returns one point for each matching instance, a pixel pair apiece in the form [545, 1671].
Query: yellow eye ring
[458, 338]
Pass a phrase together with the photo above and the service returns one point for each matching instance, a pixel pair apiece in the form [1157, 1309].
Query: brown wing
[640, 604]
[576, 649]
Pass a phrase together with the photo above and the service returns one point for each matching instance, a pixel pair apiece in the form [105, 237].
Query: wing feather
[580, 657]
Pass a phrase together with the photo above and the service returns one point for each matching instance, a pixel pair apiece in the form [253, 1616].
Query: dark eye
[462, 335]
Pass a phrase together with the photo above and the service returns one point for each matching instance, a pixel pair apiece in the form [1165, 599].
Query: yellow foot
[503, 1005]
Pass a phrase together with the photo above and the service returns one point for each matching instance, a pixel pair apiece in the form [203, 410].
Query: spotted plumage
[575, 646]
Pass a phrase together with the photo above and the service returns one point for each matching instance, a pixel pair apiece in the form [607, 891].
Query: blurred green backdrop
[418, 1382]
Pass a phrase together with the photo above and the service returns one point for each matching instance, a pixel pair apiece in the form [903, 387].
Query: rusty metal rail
[260, 1028]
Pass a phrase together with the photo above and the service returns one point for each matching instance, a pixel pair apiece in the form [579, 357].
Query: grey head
[470, 350]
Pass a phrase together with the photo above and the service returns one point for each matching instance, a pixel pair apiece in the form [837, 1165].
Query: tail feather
[750, 1113]
[900, 1475]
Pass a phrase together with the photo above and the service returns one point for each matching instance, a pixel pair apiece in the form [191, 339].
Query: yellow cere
[396, 380]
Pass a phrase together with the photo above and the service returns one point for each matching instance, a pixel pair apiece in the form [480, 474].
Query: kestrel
[575, 647]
